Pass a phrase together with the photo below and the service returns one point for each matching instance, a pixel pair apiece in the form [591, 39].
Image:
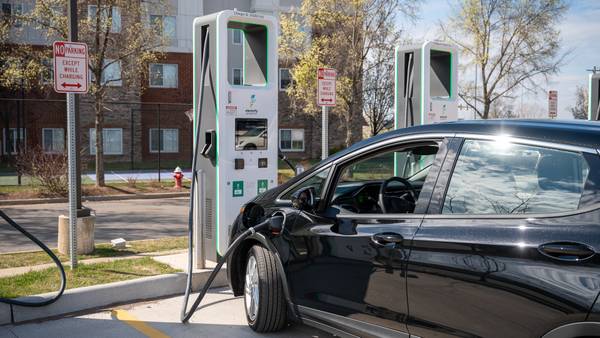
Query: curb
[98, 296]
[96, 198]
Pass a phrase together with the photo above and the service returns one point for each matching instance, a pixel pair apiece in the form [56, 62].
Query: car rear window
[497, 177]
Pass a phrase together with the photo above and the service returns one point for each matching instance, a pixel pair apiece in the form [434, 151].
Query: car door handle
[384, 238]
[567, 251]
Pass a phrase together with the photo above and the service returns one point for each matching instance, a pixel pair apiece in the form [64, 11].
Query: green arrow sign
[262, 186]
[238, 188]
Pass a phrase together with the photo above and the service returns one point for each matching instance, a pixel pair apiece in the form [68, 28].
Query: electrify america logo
[251, 105]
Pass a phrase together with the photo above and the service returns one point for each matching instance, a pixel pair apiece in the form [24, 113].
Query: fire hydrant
[178, 176]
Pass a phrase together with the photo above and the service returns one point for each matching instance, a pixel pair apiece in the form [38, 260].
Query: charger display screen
[250, 134]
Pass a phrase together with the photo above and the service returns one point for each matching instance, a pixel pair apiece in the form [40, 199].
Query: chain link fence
[144, 139]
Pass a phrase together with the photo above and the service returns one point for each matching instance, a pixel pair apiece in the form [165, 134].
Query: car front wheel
[263, 292]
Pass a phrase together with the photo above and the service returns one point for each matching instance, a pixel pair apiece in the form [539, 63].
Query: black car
[472, 229]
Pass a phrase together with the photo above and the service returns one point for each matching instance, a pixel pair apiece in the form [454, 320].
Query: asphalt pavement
[220, 315]
[129, 219]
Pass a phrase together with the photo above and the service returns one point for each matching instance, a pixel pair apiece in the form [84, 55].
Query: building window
[115, 26]
[163, 75]
[167, 141]
[112, 141]
[291, 139]
[165, 25]
[11, 139]
[111, 75]
[285, 78]
[53, 140]
[237, 36]
[13, 12]
[47, 75]
[236, 76]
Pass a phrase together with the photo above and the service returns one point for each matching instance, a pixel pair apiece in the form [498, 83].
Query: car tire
[263, 292]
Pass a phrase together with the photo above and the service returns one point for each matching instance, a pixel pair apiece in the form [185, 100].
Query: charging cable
[63, 278]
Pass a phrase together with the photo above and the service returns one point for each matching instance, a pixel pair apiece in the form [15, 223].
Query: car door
[347, 266]
[507, 248]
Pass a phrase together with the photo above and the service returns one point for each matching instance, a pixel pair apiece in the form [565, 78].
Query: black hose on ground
[63, 278]
[257, 228]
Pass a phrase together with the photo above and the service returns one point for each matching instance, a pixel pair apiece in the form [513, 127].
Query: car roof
[581, 133]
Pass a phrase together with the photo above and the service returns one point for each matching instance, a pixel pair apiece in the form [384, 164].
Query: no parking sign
[70, 67]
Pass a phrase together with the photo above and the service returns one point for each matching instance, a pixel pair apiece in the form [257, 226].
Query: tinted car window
[317, 181]
[496, 177]
[409, 163]
[358, 188]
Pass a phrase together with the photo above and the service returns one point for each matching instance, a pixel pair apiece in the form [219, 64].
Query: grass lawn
[36, 282]
[14, 260]
[24, 191]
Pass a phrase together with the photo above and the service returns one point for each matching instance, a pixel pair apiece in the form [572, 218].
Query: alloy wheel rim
[251, 288]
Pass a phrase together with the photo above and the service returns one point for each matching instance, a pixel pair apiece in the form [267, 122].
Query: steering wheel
[391, 202]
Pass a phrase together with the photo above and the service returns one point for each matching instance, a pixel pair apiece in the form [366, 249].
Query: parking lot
[129, 219]
[221, 315]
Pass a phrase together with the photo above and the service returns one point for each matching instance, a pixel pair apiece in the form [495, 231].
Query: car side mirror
[304, 199]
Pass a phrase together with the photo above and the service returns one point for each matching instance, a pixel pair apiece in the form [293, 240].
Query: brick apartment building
[150, 125]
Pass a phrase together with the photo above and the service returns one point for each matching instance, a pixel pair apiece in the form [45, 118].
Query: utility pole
[76, 210]
[593, 70]
[73, 37]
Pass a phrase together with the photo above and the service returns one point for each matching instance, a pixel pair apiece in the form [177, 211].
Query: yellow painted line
[137, 324]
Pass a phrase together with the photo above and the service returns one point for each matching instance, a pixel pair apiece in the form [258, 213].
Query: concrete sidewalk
[220, 315]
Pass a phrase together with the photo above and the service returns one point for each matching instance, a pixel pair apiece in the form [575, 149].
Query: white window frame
[163, 65]
[162, 151]
[53, 135]
[92, 134]
[14, 12]
[292, 140]
[112, 83]
[233, 77]
[282, 89]
[163, 32]
[116, 17]
[14, 140]
[233, 37]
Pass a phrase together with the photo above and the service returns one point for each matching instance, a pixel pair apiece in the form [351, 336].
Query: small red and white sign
[70, 67]
[326, 86]
[552, 103]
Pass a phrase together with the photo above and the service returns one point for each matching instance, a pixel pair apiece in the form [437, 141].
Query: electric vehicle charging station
[425, 84]
[594, 97]
[237, 120]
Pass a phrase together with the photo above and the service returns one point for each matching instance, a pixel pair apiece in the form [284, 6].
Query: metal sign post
[326, 97]
[552, 104]
[72, 179]
[70, 77]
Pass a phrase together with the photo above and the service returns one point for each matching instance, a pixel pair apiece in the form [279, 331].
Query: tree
[120, 36]
[580, 109]
[19, 63]
[503, 109]
[378, 84]
[343, 36]
[511, 42]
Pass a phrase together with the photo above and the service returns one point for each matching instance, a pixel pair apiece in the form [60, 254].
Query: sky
[579, 31]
